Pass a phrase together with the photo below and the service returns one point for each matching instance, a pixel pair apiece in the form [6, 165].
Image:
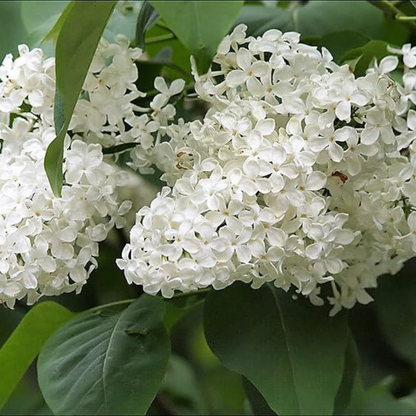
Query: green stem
[389, 7]
[128, 301]
[188, 294]
[406, 18]
[160, 38]
[109, 305]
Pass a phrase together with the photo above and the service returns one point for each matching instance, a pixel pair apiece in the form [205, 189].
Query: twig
[389, 7]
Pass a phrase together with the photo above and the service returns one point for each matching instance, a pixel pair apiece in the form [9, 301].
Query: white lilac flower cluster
[48, 244]
[300, 174]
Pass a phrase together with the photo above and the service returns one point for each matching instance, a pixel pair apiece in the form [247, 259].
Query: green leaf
[413, 3]
[20, 350]
[280, 345]
[43, 20]
[177, 308]
[258, 405]
[171, 50]
[54, 32]
[316, 19]
[260, 19]
[339, 43]
[349, 399]
[363, 57]
[147, 16]
[181, 385]
[123, 21]
[380, 401]
[320, 18]
[396, 310]
[107, 361]
[12, 29]
[199, 25]
[75, 48]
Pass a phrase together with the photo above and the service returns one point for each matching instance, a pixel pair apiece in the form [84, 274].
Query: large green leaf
[199, 25]
[280, 345]
[108, 361]
[20, 350]
[75, 47]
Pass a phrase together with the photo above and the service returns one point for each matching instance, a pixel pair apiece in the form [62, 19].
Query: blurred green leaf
[349, 399]
[182, 387]
[22, 347]
[320, 18]
[413, 3]
[361, 58]
[282, 346]
[108, 361]
[339, 43]
[177, 308]
[199, 25]
[258, 405]
[62, 15]
[176, 53]
[123, 20]
[75, 48]
[12, 29]
[379, 401]
[396, 310]
[41, 19]
[260, 19]
[147, 16]
[395, 32]
[316, 19]
[26, 398]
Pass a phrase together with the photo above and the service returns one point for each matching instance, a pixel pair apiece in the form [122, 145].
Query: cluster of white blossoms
[49, 244]
[300, 174]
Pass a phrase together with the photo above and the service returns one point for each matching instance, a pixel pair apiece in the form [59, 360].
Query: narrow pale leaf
[25, 343]
[75, 47]
[147, 16]
[350, 396]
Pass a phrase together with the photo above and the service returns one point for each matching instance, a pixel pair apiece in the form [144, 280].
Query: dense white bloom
[49, 245]
[300, 174]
